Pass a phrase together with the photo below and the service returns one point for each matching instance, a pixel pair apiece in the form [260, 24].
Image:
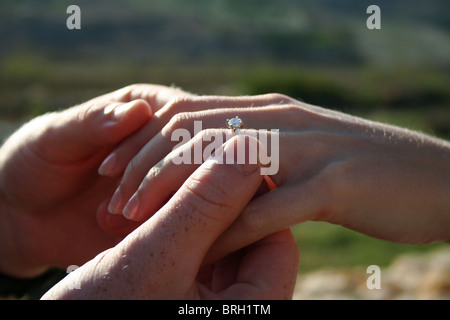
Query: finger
[184, 229]
[272, 212]
[268, 270]
[187, 125]
[115, 164]
[114, 224]
[155, 95]
[166, 177]
[160, 183]
[102, 121]
[78, 132]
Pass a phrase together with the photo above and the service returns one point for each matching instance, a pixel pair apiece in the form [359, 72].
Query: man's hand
[49, 186]
[163, 258]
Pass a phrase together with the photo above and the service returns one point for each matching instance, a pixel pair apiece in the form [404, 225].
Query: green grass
[323, 245]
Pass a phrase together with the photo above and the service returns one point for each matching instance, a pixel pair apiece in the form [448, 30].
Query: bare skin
[381, 180]
[51, 214]
[49, 186]
[163, 258]
[384, 181]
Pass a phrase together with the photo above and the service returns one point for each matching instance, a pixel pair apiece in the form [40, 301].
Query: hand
[380, 180]
[162, 259]
[49, 185]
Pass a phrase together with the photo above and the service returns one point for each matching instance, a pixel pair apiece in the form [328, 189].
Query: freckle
[186, 229]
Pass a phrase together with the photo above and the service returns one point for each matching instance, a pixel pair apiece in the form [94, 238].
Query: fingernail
[242, 152]
[132, 207]
[115, 204]
[107, 166]
[121, 110]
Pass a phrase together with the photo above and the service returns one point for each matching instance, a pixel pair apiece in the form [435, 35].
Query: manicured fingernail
[107, 167]
[115, 204]
[132, 207]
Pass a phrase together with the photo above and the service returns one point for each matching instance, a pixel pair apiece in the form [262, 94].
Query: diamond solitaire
[235, 124]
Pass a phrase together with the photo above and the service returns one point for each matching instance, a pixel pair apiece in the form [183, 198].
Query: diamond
[235, 123]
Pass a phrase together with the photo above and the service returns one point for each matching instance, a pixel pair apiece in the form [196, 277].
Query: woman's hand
[380, 180]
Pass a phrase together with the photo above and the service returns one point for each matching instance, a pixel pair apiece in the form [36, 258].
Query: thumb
[78, 132]
[182, 231]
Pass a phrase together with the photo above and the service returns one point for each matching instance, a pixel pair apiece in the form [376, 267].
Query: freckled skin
[163, 258]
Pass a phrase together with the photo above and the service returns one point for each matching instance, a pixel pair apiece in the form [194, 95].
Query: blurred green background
[317, 51]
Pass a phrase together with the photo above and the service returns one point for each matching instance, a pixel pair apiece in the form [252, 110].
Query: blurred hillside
[318, 51]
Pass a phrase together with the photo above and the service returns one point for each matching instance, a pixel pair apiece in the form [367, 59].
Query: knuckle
[132, 87]
[86, 117]
[252, 220]
[208, 199]
[89, 110]
[140, 101]
[294, 113]
[278, 98]
[203, 211]
[154, 172]
[178, 121]
[292, 108]
[126, 93]
[176, 104]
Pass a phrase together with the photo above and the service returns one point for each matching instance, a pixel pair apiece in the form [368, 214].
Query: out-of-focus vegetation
[317, 51]
[323, 245]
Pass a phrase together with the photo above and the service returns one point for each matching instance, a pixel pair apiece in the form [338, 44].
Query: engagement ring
[235, 124]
